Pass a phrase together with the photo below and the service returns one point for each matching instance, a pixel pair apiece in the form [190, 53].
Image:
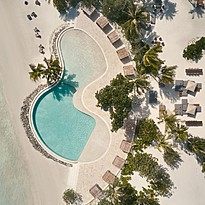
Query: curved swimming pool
[62, 128]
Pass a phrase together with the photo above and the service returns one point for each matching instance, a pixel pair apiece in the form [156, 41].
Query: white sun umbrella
[191, 109]
[191, 86]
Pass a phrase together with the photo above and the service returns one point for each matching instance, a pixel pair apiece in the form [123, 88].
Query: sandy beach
[19, 48]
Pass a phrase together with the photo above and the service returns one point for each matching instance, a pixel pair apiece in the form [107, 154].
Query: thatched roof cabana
[95, 191]
[122, 53]
[113, 36]
[109, 177]
[129, 70]
[88, 10]
[118, 162]
[102, 22]
[125, 146]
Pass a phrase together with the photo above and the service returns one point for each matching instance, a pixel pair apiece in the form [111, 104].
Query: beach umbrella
[191, 86]
[191, 109]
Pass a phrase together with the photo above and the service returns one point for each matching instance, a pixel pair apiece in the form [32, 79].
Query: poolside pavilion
[102, 22]
[129, 70]
[109, 177]
[122, 53]
[118, 162]
[88, 10]
[113, 36]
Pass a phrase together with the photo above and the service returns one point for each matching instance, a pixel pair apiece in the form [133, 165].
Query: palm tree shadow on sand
[197, 11]
[66, 87]
[169, 12]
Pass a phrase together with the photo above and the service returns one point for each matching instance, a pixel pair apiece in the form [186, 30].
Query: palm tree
[167, 74]
[113, 193]
[196, 145]
[36, 72]
[170, 121]
[151, 60]
[137, 20]
[141, 83]
[162, 143]
[53, 71]
[180, 132]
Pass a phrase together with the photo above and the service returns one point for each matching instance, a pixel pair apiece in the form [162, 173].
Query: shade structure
[109, 177]
[191, 85]
[191, 109]
[129, 70]
[102, 22]
[89, 10]
[113, 36]
[118, 162]
[125, 146]
[95, 191]
[122, 53]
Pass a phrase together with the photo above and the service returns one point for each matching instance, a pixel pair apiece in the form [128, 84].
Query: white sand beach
[19, 48]
[177, 27]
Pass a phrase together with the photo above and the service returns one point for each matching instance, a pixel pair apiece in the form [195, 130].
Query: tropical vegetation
[115, 98]
[72, 197]
[194, 51]
[51, 71]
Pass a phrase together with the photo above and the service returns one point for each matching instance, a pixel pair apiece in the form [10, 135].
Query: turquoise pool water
[64, 129]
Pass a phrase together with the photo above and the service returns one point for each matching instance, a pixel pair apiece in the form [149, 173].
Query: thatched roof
[88, 10]
[125, 146]
[95, 191]
[129, 70]
[122, 53]
[102, 22]
[118, 162]
[109, 177]
[113, 36]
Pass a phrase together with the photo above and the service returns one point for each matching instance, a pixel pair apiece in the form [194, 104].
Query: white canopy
[191, 109]
[191, 85]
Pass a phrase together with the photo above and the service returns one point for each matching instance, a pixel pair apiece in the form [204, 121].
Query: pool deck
[103, 146]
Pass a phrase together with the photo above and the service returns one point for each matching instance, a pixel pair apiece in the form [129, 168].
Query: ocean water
[14, 184]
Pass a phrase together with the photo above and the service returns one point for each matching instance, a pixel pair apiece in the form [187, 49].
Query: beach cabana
[125, 146]
[129, 70]
[191, 109]
[88, 10]
[118, 162]
[95, 191]
[191, 86]
[113, 37]
[102, 22]
[109, 177]
[122, 53]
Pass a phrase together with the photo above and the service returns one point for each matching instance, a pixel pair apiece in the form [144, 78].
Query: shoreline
[47, 179]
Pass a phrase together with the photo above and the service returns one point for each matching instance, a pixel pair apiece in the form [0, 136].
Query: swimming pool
[62, 128]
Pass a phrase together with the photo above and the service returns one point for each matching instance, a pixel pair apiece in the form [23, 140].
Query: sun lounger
[152, 96]
[199, 86]
[198, 108]
[184, 105]
[183, 93]
[194, 123]
[178, 109]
